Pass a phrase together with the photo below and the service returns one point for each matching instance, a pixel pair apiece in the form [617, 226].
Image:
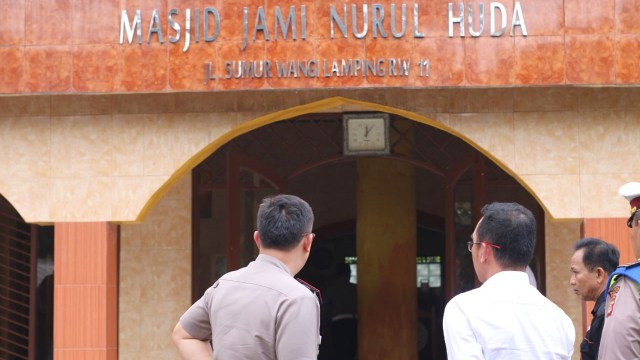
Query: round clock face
[366, 134]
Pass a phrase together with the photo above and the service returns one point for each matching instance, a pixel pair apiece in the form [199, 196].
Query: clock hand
[368, 130]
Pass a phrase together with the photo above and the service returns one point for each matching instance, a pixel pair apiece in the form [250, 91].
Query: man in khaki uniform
[260, 311]
[621, 333]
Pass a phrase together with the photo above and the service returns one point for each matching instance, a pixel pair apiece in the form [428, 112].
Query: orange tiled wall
[612, 230]
[69, 46]
[86, 291]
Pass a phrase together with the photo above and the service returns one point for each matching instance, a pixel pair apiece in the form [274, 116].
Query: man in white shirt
[506, 317]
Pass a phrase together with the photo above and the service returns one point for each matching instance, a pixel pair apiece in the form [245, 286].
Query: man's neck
[286, 257]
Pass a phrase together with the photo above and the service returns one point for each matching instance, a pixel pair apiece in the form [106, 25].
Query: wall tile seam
[113, 111]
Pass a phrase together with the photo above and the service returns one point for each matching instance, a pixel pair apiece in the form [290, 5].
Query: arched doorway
[304, 156]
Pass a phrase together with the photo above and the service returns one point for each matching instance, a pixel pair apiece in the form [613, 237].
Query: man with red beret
[621, 333]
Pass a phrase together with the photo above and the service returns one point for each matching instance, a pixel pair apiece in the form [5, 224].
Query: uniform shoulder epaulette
[315, 291]
[631, 271]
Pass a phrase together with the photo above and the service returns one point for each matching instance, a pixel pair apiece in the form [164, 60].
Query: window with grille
[17, 302]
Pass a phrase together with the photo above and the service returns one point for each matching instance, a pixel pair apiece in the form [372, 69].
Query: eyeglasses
[471, 243]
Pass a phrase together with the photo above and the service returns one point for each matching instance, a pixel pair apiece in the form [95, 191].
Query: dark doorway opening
[304, 156]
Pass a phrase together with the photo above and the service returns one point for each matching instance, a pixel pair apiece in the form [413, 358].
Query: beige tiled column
[86, 291]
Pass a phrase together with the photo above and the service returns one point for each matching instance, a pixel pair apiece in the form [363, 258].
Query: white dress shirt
[506, 318]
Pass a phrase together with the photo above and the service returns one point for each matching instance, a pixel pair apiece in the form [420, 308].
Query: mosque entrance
[396, 223]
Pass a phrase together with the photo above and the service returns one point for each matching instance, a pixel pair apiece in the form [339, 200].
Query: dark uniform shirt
[591, 342]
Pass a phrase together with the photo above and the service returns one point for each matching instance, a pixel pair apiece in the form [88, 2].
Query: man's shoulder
[468, 297]
[626, 272]
[536, 300]
[631, 265]
[268, 278]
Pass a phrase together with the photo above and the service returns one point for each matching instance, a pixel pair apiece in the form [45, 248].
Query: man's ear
[486, 251]
[601, 275]
[484, 255]
[256, 238]
[306, 243]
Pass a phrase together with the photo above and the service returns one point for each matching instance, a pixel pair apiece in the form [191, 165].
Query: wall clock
[366, 134]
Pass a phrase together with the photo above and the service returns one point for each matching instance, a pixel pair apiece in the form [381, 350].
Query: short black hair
[283, 220]
[512, 227]
[598, 253]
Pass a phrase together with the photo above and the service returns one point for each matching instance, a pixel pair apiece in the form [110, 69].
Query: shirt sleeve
[298, 329]
[459, 337]
[570, 330]
[196, 320]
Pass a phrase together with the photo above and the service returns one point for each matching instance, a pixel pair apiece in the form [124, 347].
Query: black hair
[512, 227]
[598, 253]
[283, 220]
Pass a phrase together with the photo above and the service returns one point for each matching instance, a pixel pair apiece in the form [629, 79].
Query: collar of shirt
[599, 303]
[262, 258]
[507, 277]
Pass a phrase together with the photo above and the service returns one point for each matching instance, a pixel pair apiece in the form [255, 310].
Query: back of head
[598, 253]
[283, 220]
[512, 227]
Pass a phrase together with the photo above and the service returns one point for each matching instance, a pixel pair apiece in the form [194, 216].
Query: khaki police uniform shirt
[257, 312]
[621, 333]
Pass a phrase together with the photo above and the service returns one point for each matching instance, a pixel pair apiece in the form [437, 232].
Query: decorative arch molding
[337, 104]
